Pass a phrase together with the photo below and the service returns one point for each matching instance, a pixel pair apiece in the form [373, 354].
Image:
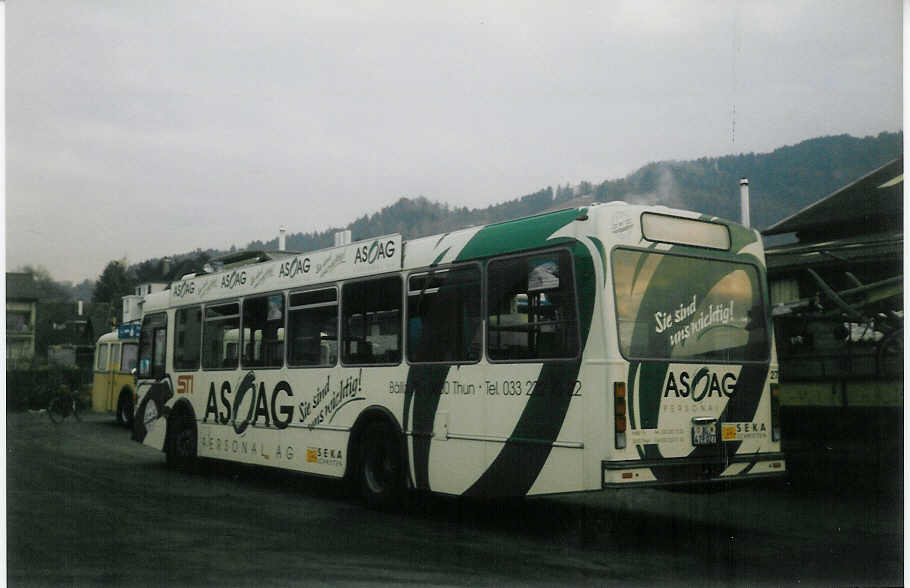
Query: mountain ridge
[782, 181]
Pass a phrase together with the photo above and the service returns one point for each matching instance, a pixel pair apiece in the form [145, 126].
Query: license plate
[704, 431]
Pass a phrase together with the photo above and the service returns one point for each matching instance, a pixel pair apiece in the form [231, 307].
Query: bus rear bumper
[688, 471]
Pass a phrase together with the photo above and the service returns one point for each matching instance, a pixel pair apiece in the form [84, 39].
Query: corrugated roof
[860, 249]
[873, 202]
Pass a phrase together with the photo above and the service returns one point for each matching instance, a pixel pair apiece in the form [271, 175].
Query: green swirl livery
[607, 346]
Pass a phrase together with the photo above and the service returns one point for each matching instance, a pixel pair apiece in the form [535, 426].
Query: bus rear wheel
[380, 468]
[181, 442]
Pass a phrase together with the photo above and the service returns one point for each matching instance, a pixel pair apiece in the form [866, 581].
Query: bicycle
[63, 406]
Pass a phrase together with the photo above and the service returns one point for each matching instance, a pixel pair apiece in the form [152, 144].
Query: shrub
[33, 388]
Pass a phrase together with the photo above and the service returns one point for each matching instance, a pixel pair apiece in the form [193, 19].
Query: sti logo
[184, 384]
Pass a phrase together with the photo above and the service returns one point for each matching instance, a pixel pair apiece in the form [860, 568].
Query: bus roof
[390, 253]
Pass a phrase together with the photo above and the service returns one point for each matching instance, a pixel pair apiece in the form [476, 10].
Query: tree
[113, 283]
[83, 290]
[46, 288]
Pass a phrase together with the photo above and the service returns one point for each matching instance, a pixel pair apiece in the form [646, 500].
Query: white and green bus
[598, 347]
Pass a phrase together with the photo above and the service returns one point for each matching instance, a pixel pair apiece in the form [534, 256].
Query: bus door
[152, 384]
[101, 383]
[114, 369]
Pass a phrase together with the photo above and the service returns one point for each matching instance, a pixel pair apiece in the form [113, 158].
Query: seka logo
[705, 384]
[378, 251]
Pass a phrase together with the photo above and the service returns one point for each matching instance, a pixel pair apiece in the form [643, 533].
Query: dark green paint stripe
[423, 389]
[630, 392]
[518, 235]
[603, 255]
[517, 466]
[651, 376]
[440, 256]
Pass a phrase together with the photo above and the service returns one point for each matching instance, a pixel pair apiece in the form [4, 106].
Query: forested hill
[781, 183]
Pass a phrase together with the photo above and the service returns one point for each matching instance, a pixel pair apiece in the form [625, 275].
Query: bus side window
[158, 357]
[531, 307]
[101, 364]
[371, 321]
[263, 331]
[444, 315]
[221, 336]
[313, 328]
[187, 338]
[153, 345]
[128, 357]
[115, 356]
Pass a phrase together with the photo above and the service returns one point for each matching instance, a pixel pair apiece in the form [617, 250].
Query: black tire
[380, 467]
[181, 442]
[57, 409]
[125, 409]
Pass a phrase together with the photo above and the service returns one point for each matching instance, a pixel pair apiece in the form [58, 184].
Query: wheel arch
[370, 415]
[180, 407]
[130, 394]
[127, 394]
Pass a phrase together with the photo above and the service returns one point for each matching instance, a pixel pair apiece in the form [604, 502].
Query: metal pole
[744, 201]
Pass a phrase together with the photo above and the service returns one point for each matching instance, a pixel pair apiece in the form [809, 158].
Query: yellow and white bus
[606, 346]
[113, 384]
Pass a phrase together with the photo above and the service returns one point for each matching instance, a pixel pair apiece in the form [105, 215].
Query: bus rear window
[681, 308]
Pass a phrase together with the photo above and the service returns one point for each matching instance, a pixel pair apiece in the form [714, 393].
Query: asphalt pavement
[86, 506]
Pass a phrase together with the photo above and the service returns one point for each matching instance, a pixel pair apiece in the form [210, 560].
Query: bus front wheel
[181, 441]
[125, 409]
[380, 467]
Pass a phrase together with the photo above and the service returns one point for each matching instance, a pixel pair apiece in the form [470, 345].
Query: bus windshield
[680, 308]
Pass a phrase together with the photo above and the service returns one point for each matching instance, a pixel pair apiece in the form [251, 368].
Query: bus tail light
[619, 414]
[775, 412]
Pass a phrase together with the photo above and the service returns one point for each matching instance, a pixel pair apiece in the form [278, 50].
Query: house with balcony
[21, 314]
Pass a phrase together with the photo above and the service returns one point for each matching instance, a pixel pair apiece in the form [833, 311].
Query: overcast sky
[141, 129]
